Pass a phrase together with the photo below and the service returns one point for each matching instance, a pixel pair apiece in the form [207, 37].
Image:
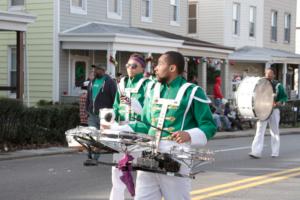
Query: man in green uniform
[131, 91]
[279, 98]
[181, 110]
[127, 106]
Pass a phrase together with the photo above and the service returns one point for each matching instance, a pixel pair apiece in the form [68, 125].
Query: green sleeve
[203, 115]
[116, 105]
[281, 95]
[144, 125]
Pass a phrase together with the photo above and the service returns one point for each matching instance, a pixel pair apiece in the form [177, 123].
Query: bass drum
[254, 98]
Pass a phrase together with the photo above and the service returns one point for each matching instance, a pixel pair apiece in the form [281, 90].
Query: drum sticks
[148, 124]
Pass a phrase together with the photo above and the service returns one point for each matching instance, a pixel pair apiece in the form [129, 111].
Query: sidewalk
[64, 150]
[251, 133]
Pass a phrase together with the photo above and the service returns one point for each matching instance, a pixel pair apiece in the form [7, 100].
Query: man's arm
[143, 126]
[87, 102]
[112, 89]
[206, 127]
[281, 94]
[116, 105]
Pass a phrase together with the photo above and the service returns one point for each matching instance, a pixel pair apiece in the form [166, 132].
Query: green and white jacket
[133, 88]
[280, 95]
[178, 106]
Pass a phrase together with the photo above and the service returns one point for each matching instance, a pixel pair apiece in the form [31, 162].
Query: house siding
[39, 45]
[210, 21]
[96, 11]
[243, 69]
[161, 16]
[243, 38]
[282, 7]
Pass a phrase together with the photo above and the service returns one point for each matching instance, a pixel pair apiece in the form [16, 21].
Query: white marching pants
[154, 186]
[258, 142]
[118, 187]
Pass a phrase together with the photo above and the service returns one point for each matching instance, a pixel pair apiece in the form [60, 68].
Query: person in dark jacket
[101, 94]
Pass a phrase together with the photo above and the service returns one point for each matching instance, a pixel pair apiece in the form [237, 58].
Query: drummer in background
[190, 122]
[128, 107]
[279, 99]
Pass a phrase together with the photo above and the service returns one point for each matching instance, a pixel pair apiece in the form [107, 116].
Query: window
[174, 12]
[114, 9]
[192, 18]
[236, 19]
[252, 21]
[12, 67]
[146, 10]
[287, 27]
[274, 26]
[16, 4]
[78, 6]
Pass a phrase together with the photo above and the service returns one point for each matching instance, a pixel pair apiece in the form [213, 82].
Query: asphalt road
[233, 175]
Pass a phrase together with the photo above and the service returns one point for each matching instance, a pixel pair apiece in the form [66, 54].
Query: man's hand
[125, 100]
[275, 104]
[181, 137]
[105, 127]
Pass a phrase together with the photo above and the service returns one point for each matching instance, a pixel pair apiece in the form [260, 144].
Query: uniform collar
[136, 78]
[176, 82]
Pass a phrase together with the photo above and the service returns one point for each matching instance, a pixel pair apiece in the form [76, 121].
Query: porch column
[185, 72]
[298, 81]
[284, 72]
[225, 81]
[149, 64]
[20, 65]
[202, 75]
[111, 68]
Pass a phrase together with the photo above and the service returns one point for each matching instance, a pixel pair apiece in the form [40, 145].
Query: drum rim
[128, 133]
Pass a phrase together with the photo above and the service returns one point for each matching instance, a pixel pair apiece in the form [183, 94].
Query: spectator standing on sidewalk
[82, 101]
[101, 94]
[279, 98]
[217, 93]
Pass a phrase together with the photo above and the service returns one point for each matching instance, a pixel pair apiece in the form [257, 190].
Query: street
[233, 175]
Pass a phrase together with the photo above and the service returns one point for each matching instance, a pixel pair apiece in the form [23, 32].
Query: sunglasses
[132, 66]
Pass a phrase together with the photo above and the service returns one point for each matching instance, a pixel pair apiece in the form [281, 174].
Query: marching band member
[273, 120]
[181, 113]
[127, 107]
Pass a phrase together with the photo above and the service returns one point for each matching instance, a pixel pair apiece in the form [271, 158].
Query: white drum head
[263, 99]
[254, 98]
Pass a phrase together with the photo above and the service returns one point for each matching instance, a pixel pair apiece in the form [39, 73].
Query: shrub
[46, 124]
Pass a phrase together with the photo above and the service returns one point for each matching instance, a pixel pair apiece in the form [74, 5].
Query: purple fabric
[139, 60]
[125, 165]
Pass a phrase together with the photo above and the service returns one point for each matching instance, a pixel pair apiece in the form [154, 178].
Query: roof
[188, 40]
[260, 54]
[97, 28]
[94, 28]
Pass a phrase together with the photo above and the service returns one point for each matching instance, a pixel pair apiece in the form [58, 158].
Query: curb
[227, 136]
[36, 153]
